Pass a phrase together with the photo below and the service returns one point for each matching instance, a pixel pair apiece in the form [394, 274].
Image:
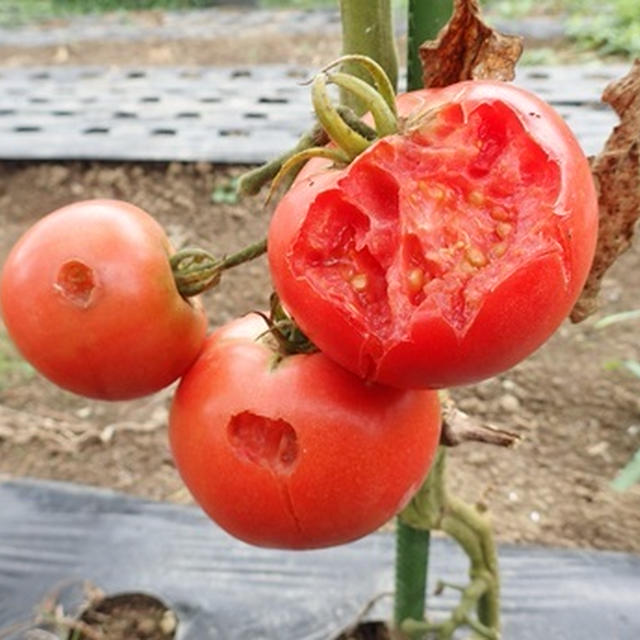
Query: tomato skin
[89, 299]
[520, 308]
[356, 451]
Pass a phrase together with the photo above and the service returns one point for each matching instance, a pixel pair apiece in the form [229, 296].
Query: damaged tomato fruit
[296, 452]
[88, 297]
[445, 253]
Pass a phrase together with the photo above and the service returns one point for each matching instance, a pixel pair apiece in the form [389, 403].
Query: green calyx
[349, 135]
[284, 332]
[196, 270]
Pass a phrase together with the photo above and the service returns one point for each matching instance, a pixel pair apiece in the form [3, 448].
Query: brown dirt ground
[580, 420]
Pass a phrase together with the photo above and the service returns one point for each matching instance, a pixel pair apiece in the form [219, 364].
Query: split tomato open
[446, 253]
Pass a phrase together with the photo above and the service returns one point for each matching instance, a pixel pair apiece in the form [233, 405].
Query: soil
[367, 631]
[126, 616]
[578, 413]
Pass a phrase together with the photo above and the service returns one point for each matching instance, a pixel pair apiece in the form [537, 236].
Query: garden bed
[579, 418]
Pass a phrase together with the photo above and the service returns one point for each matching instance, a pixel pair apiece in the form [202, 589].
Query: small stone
[472, 405]
[598, 449]
[478, 458]
[168, 623]
[83, 412]
[534, 516]
[509, 403]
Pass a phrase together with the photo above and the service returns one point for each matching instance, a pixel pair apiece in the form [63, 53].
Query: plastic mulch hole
[370, 630]
[127, 616]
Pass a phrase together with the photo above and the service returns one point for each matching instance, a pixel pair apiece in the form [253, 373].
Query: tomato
[296, 452]
[89, 299]
[444, 254]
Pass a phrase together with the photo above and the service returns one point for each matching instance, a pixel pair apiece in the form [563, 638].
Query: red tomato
[447, 253]
[88, 297]
[297, 453]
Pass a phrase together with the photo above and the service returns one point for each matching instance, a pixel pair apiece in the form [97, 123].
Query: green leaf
[633, 366]
[614, 318]
[629, 475]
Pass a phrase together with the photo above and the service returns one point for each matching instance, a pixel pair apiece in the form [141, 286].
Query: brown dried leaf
[459, 427]
[616, 171]
[468, 49]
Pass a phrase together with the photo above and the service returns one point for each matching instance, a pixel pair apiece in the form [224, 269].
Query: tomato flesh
[426, 227]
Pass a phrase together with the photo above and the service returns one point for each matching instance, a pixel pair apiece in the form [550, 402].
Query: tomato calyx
[285, 337]
[196, 270]
[349, 135]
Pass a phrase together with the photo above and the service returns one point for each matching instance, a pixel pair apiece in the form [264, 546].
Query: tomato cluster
[443, 254]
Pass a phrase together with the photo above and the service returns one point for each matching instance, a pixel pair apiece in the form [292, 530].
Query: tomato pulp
[296, 453]
[447, 253]
[88, 297]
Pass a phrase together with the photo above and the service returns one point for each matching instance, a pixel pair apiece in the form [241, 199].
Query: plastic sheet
[54, 534]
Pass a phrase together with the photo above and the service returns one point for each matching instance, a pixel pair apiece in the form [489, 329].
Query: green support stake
[426, 18]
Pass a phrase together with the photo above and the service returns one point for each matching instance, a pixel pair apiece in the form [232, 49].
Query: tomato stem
[379, 77]
[250, 183]
[385, 118]
[196, 270]
[338, 157]
[346, 138]
[433, 508]
[367, 30]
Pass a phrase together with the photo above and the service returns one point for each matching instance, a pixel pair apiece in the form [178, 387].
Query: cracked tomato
[88, 297]
[296, 452]
[446, 253]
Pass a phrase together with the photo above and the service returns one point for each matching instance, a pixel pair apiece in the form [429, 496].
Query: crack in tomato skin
[270, 444]
[447, 214]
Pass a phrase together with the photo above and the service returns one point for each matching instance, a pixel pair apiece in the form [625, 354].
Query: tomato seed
[476, 198]
[499, 249]
[415, 278]
[503, 229]
[501, 214]
[434, 191]
[360, 281]
[476, 257]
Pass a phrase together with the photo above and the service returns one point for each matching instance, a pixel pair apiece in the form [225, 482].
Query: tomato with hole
[444, 254]
[89, 299]
[296, 452]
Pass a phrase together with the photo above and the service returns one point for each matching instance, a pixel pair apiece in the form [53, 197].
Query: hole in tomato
[340, 252]
[268, 443]
[76, 282]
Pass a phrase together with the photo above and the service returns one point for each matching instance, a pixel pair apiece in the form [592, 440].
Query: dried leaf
[459, 427]
[468, 49]
[616, 171]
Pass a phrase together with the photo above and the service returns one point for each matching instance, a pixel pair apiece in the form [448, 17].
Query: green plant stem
[412, 558]
[367, 29]
[426, 18]
[433, 508]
